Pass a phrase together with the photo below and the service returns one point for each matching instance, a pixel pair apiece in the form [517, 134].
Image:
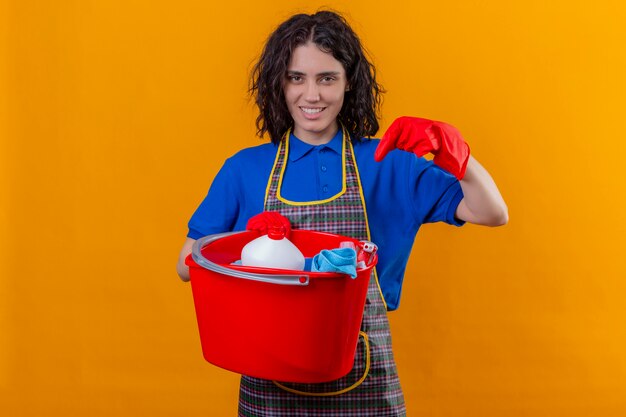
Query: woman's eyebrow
[327, 73]
[320, 74]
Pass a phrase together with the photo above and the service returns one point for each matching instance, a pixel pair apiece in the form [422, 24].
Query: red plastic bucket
[283, 325]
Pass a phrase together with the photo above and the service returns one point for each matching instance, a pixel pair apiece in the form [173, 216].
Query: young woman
[318, 100]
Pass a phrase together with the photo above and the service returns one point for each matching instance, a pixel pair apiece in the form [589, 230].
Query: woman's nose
[312, 92]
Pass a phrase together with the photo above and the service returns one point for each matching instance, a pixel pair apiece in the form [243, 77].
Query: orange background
[116, 115]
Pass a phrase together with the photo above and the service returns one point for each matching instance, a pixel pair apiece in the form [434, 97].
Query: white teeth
[311, 111]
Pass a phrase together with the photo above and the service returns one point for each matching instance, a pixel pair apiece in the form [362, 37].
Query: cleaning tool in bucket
[273, 250]
[284, 325]
[342, 260]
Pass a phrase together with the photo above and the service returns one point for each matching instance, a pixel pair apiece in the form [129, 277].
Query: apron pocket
[339, 386]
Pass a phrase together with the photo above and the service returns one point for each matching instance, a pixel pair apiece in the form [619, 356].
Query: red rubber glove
[422, 136]
[267, 219]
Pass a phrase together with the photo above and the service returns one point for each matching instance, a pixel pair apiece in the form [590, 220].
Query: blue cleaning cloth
[342, 260]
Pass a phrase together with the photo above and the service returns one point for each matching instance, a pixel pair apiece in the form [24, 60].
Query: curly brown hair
[332, 34]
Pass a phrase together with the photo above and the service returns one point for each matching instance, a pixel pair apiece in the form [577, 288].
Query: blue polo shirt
[401, 193]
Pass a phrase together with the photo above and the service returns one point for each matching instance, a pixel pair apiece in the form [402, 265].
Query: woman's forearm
[482, 202]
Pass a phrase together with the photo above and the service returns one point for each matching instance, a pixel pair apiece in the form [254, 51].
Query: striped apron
[372, 387]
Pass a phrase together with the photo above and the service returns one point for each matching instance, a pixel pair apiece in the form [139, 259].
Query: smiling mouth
[312, 110]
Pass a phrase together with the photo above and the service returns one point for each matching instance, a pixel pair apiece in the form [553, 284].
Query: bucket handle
[281, 279]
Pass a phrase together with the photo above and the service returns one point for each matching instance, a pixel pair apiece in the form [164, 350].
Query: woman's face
[314, 88]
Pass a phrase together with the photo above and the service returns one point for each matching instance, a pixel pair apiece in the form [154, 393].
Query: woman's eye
[295, 78]
[328, 79]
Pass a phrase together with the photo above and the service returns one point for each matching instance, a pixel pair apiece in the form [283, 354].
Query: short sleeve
[218, 211]
[436, 194]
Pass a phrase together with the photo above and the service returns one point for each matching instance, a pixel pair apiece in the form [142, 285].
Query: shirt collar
[298, 149]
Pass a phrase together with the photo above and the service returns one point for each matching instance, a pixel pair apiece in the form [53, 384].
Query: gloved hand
[267, 219]
[422, 136]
